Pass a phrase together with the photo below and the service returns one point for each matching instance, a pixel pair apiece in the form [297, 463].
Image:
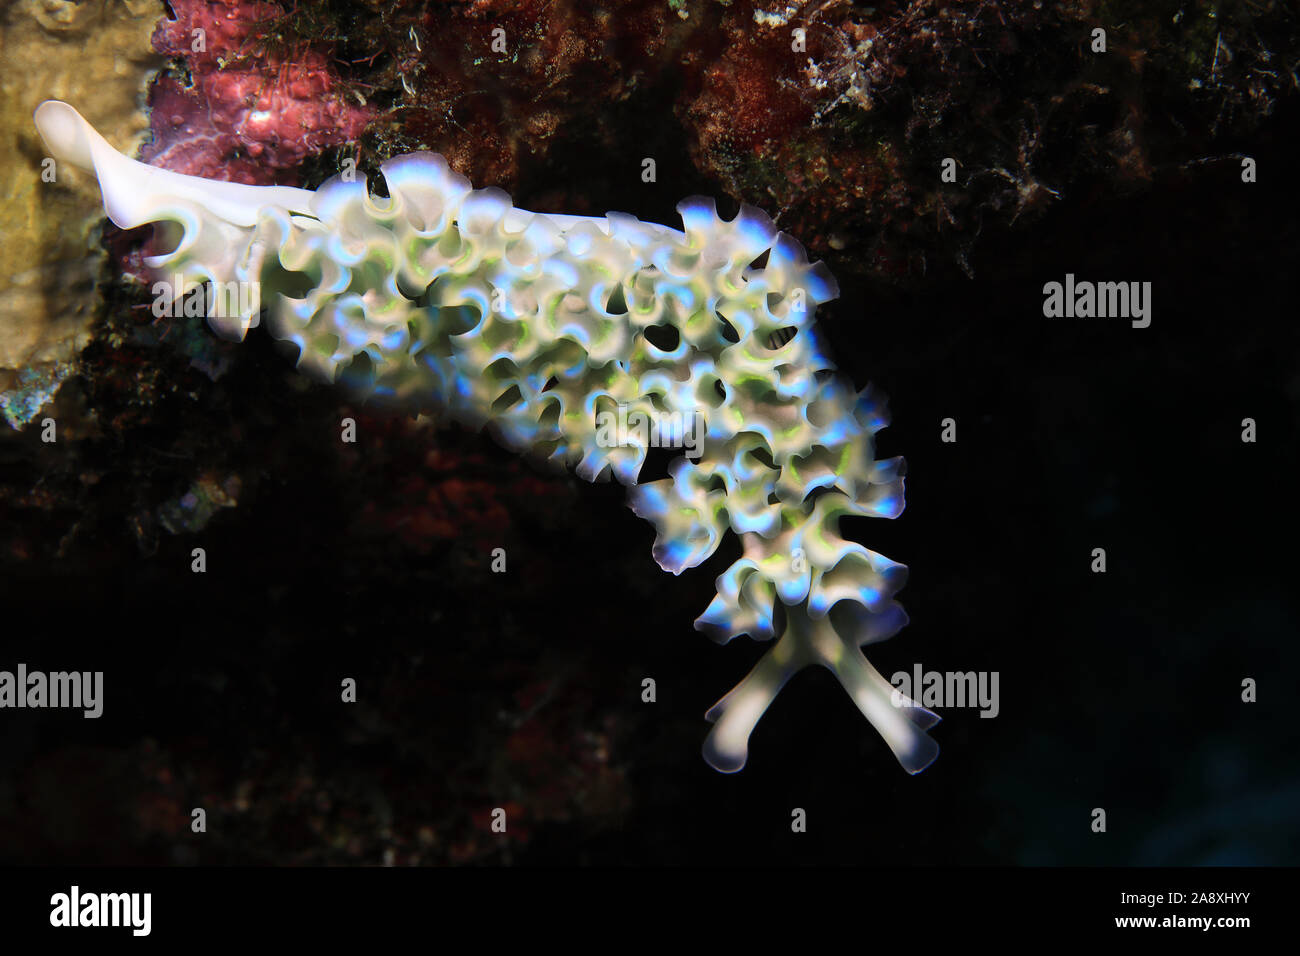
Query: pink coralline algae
[259, 99]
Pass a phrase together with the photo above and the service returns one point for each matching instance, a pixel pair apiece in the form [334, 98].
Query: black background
[1119, 691]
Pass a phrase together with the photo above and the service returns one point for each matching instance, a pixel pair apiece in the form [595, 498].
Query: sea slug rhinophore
[583, 340]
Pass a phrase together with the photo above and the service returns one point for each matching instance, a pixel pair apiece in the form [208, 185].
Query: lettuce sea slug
[587, 341]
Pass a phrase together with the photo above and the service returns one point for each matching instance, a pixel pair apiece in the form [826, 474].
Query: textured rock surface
[246, 98]
[95, 53]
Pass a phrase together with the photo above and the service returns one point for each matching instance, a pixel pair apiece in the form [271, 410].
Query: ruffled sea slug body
[584, 340]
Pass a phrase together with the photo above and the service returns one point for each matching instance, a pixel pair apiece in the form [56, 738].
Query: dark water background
[1119, 691]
